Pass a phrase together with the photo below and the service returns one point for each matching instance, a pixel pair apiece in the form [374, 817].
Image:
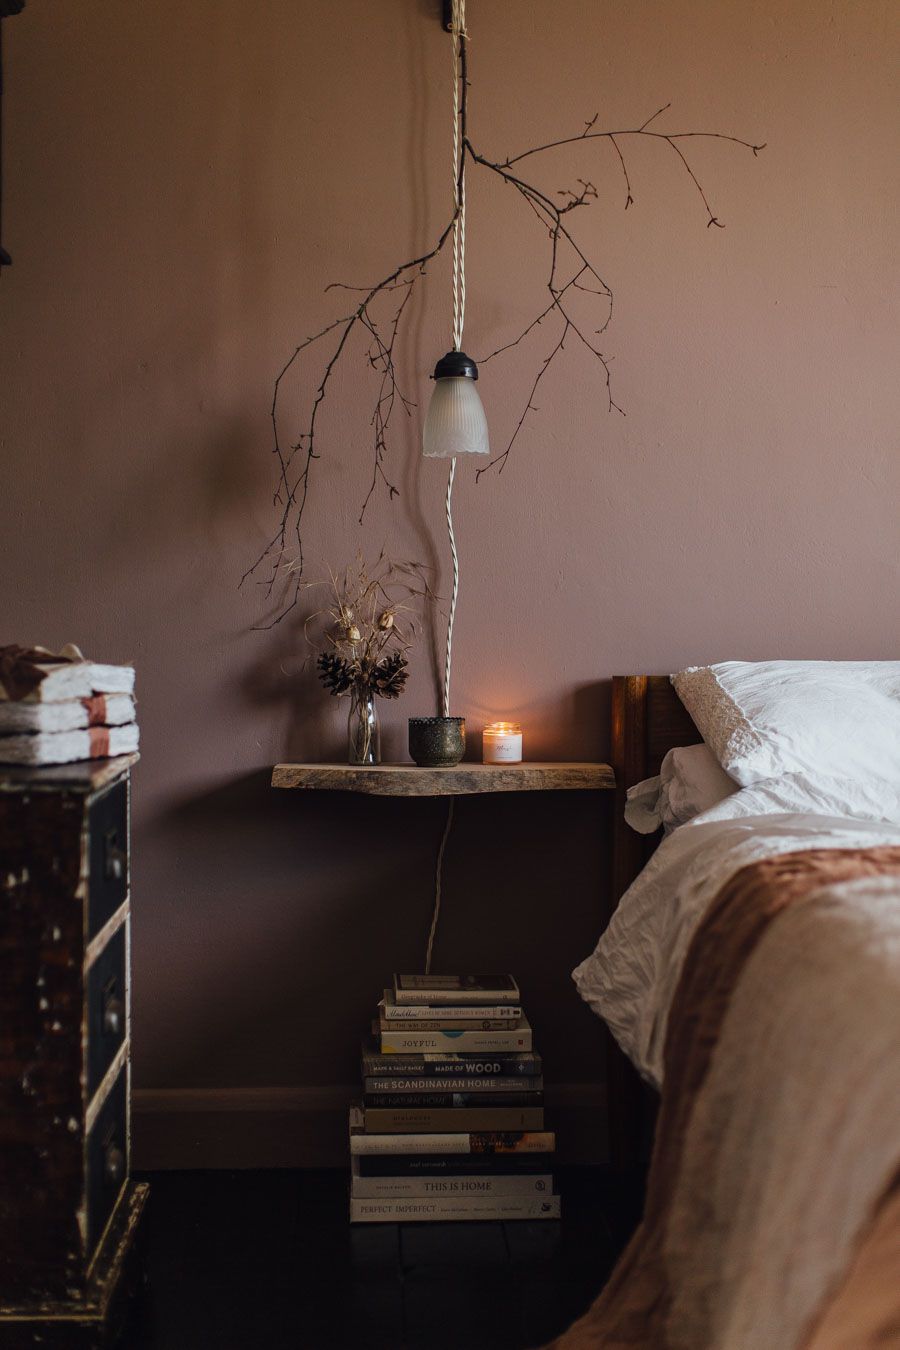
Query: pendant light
[455, 424]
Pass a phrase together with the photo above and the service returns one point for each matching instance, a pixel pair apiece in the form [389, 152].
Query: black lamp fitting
[455, 363]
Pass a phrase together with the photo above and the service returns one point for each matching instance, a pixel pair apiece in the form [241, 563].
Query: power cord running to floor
[438, 882]
[458, 36]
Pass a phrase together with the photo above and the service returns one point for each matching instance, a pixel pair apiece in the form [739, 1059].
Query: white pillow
[834, 719]
[689, 781]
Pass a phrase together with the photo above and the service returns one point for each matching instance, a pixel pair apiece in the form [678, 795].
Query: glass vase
[363, 731]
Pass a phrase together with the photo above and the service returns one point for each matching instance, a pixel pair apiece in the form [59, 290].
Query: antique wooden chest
[69, 1213]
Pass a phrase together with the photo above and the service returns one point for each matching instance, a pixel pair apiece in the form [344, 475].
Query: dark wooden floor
[265, 1260]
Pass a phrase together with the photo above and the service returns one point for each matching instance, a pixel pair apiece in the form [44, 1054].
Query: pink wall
[182, 181]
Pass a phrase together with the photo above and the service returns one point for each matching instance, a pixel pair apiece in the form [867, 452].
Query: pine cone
[389, 676]
[334, 672]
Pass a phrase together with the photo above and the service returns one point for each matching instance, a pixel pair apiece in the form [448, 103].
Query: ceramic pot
[437, 742]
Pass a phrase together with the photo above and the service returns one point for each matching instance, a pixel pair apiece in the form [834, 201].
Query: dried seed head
[386, 620]
[353, 634]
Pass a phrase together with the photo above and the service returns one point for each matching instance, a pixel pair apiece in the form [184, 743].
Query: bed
[648, 720]
[752, 972]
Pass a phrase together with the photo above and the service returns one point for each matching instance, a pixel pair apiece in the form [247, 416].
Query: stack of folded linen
[56, 707]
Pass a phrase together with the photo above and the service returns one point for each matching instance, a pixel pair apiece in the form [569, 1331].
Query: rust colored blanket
[772, 1218]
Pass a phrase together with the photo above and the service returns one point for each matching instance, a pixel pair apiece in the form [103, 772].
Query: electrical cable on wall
[457, 38]
[438, 882]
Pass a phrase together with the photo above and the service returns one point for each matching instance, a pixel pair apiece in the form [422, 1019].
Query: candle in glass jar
[502, 743]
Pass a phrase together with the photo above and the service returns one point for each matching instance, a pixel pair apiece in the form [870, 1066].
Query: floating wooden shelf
[408, 780]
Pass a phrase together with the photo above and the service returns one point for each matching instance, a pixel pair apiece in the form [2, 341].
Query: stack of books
[452, 1120]
[55, 709]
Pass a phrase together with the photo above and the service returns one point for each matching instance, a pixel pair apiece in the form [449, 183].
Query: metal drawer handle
[113, 1016]
[114, 857]
[114, 1164]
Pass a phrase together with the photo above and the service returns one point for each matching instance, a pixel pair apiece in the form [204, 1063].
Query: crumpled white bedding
[631, 977]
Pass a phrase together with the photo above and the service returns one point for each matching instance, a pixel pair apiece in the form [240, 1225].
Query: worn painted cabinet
[69, 1212]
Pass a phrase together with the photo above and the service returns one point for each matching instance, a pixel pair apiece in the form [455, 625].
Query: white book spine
[409, 1143]
[442, 1208]
[467, 1119]
[400, 1188]
[59, 682]
[475, 1012]
[456, 1042]
[77, 679]
[456, 996]
[529, 1141]
[64, 747]
[438, 1083]
[69, 714]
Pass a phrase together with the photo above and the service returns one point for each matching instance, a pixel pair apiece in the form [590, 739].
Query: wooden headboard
[648, 720]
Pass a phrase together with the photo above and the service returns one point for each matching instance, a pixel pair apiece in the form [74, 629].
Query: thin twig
[569, 269]
[500, 460]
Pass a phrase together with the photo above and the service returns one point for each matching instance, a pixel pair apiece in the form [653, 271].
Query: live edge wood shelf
[408, 780]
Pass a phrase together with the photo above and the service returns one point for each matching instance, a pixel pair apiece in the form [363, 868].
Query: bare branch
[653, 116]
[569, 270]
[615, 145]
[634, 131]
[713, 220]
[381, 357]
[500, 460]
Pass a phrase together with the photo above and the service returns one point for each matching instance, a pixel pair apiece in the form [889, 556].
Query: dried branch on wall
[569, 271]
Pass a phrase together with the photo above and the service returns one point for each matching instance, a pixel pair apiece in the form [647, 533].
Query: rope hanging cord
[457, 38]
[454, 594]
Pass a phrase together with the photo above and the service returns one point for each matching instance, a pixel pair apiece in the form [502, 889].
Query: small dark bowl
[437, 742]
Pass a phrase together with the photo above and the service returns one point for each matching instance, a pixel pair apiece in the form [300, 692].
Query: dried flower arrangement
[367, 628]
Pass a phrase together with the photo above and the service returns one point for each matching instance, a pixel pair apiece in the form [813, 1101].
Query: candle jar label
[501, 746]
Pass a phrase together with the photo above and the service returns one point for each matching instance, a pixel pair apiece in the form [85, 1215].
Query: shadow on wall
[190, 489]
[416, 517]
[282, 914]
[572, 724]
[281, 682]
[414, 359]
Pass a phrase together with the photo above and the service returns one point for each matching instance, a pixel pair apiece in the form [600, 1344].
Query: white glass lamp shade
[455, 423]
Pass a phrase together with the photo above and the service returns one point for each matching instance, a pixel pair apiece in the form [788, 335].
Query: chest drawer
[107, 855]
[106, 1001]
[107, 1159]
[68, 1213]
